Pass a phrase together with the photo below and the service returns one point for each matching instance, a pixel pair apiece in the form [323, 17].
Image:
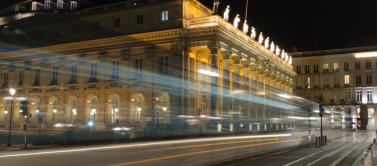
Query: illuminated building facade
[347, 78]
[113, 63]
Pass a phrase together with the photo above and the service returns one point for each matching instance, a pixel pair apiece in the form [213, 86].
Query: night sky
[306, 24]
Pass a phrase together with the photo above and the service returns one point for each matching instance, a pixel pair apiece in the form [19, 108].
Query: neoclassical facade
[347, 78]
[190, 63]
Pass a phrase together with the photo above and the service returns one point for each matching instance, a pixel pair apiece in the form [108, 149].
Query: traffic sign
[321, 111]
[40, 120]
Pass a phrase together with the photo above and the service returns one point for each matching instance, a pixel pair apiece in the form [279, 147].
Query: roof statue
[226, 13]
[215, 6]
[282, 54]
[286, 57]
[272, 47]
[245, 27]
[267, 42]
[236, 21]
[290, 60]
[277, 51]
[253, 33]
[260, 39]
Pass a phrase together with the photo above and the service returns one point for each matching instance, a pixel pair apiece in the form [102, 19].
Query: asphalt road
[199, 151]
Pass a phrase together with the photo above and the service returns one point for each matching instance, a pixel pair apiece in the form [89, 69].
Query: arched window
[73, 110]
[55, 111]
[115, 101]
[93, 108]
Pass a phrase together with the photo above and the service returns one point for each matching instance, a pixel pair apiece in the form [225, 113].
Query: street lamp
[12, 91]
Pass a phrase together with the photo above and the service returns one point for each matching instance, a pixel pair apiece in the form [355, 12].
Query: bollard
[250, 127]
[317, 142]
[231, 127]
[325, 139]
[258, 127]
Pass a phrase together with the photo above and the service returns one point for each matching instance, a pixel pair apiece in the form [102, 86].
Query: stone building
[113, 63]
[347, 78]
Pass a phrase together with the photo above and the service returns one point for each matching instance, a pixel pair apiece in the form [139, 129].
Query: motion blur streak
[149, 144]
[224, 143]
[208, 151]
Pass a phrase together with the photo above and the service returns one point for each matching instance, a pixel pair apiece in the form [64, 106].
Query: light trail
[224, 143]
[149, 144]
[201, 152]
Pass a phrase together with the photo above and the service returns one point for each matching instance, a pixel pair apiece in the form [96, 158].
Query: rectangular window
[347, 79]
[325, 66]
[346, 66]
[336, 67]
[54, 80]
[358, 79]
[369, 78]
[115, 71]
[93, 73]
[37, 77]
[5, 85]
[95, 26]
[326, 80]
[307, 69]
[21, 79]
[192, 68]
[308, 82]
[336, 96]
[367, 64]
[298, 81]
[347, 95]
[369, 95]
[139, 19]
[74, 29]
[336, 80]
[163, 65]
[298, 69]
[165, 16]
[316, 81]
[307, 95]
[316, 96]
[358, 95]
[57, 32]
[117, 22]
[73, 75]
[357, 65]
[138, 69]
[316, 68]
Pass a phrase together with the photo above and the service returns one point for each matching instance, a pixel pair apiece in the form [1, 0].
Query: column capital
[273, 76]
[214, 48]
[226, 53]
[245, 63]
[236, 59]
[150, 51]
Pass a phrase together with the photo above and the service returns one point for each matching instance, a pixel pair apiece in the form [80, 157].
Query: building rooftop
[333, 51]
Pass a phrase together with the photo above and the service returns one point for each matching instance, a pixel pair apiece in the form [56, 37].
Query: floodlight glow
[164, 108]
[55, 110]
[285, 96]
[116, 109]
[139, 109]
[5, 112]
[37, 111]
[205, 72]
[90, 123]
[366, 55]
[12, 91]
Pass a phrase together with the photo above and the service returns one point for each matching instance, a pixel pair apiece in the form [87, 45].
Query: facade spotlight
[12, 91]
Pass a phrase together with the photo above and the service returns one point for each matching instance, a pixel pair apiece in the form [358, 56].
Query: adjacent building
[347, 78]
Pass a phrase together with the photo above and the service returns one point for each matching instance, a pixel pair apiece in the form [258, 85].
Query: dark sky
[306, 24]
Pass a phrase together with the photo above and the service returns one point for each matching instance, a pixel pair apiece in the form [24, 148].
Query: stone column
[261, 90]
[254, 85]
[291, 87]
[272, 90]
[214, 79]
[287, 85]
[236, 83]
[267, 94]
[246, 83]
[226, 83]
[277, 89]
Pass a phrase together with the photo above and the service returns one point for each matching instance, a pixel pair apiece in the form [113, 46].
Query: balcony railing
[336, 70]
[325, 70]
[346, 69]
[347, 85]
[336, 85]
[326, 86]
[316, 87]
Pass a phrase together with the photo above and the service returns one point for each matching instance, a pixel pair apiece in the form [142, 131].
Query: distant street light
[12, 92]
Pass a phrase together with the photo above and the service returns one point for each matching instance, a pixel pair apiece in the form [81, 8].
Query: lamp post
[12, 91]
